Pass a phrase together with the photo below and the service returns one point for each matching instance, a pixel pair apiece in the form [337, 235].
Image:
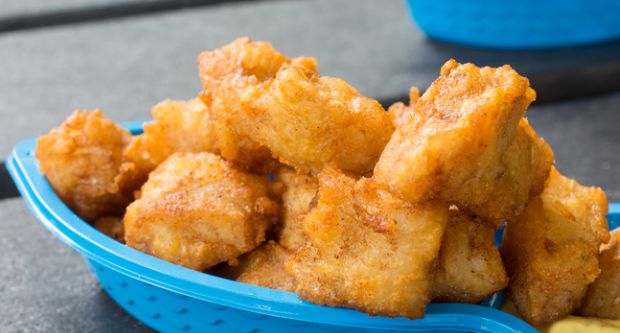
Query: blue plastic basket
[172, 298]
[518, 24]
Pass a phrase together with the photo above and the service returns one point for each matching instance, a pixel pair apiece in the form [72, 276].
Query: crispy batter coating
[369, 250]
[112, 226]
[297, 200]
[551, 250]
[197, 210]
[451, 147]
[177, 126]
[309, 121]
[398, 112]
[67, 155]
[265, 267]
[603, 296]
[469, 266]
[266, 104]
[526, 164]
[542, 158]
[226, 74]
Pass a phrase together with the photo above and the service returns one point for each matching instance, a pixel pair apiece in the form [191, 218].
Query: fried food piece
[226, 74]
[309, 121]
[112, 226]
[398, 112]
[603, 296]
[263, 100]
[265, 267]
[469, 266]
[451, 147]
[297, 200]
[67, 155]
[197, 210]
[369, 250]
[526, 164]
[177, 126]
[542, 158]
[551, 250]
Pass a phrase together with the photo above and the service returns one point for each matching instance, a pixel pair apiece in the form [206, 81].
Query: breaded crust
[369, 250]
[197, 210]
[469, 266]
[67, 156]
[603, 296]
[551, 250]
[297, 200]
[451, 147]
[177, 126]
[265, 267]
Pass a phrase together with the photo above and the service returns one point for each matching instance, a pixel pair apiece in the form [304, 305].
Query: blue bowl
[172, 298]
[518, 24]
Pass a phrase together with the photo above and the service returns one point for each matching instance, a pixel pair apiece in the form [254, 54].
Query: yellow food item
[451, 147]
[81, 160]
[197, 210]
[177, 126]
[603, 296]
[111, 226]
[575, 324]
[297, 199]
[265, 267]
[571, 324]
[469, 266]
[551, 250]
[369, 250]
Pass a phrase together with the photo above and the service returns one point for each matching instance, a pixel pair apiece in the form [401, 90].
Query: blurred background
[124, 56]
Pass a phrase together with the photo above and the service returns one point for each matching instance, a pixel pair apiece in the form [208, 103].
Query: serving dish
[523, 24]
[172, 298]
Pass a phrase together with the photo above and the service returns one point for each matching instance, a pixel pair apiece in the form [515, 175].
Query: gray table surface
[17, 8]
[126, 65]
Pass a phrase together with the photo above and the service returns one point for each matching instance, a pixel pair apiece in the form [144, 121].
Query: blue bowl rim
[85, 239]
[582, 34]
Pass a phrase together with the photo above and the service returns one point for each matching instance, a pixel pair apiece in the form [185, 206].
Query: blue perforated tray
[172, 298]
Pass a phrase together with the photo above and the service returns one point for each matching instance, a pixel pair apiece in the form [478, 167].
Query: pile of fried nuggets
[378, 211]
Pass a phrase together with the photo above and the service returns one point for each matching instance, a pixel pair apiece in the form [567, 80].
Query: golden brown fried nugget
[469, 266]
[551, 250]
[197, 210]
[226, 74]
[603, 296]
[81, 159]
[300, 192]
[451, 147]
[398, 112]
[112, 227]
[309, 121]
[542, 158]
[268, 105]
[369, 250]
[177, 126]
[265, 267]
[526, 164]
